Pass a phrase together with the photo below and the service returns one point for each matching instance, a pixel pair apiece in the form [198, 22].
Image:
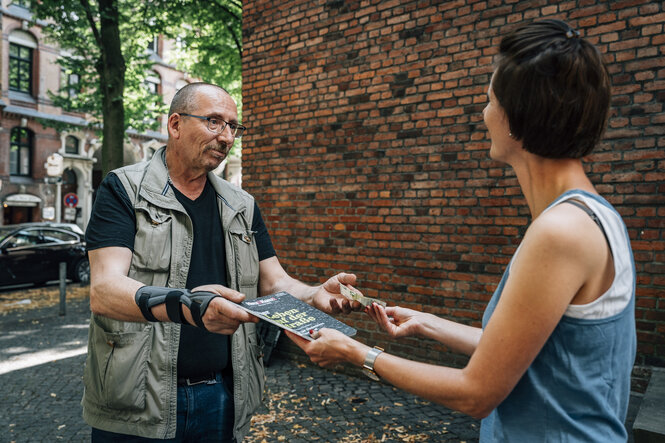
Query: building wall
[367, 151]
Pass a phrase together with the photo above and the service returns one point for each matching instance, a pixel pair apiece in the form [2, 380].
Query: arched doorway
[69, 181]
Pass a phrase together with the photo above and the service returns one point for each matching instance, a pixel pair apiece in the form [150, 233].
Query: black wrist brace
[148, 297]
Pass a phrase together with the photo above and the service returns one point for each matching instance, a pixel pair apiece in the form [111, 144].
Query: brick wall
[367, 151]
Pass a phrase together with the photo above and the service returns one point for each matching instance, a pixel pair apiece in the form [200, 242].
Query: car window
[53, 236]
[23, 238]
[4, 232]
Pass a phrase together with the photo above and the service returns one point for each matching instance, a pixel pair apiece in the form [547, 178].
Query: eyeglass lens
[217, 125]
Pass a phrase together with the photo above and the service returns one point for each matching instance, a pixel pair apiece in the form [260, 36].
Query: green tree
[105, 41]
[210, 40]
[104, 47]
[209, 43]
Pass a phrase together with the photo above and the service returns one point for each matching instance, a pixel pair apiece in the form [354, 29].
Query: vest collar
[155, 187]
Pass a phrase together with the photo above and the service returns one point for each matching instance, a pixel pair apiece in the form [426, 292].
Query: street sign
[48, 213]
[71, 200]
[70, 214]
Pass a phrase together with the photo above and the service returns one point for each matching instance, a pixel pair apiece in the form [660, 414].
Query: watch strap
[370, 358]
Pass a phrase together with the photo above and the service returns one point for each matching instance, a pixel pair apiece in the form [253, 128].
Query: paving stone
[303, 403]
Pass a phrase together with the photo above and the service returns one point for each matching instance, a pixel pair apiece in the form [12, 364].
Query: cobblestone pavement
[41, 363]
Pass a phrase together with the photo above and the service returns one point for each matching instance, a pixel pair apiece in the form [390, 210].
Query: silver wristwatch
[368, 365]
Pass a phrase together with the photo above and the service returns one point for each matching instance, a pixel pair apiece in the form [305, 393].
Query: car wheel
[82, 271]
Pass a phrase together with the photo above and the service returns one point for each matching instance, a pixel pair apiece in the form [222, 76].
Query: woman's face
[496, 121]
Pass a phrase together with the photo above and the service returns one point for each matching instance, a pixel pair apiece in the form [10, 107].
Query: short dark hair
[554, 88]
[183, 100]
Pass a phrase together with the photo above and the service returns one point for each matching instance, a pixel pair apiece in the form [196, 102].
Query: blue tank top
[578, 387]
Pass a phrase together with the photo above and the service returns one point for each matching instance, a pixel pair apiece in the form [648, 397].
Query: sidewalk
[41, 364]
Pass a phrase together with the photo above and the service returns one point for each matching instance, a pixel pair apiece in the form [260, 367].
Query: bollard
[63, 286]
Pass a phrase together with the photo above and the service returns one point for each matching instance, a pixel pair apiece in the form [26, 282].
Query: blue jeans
[205, 414]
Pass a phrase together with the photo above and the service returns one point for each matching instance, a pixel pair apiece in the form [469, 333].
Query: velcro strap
[194, 308]
[173, 309]
[142, 302]
[199, 302]
[149, 296]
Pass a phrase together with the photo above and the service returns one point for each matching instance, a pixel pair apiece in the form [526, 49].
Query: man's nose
[226, 135]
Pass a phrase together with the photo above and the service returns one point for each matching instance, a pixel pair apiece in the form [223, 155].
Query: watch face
[371, 374]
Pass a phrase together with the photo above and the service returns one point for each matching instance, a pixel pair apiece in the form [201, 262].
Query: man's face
[202, 148]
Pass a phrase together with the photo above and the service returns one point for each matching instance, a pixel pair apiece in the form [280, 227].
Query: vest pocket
[252, 373]
[119, 368]
[247, 256]
[152, 242]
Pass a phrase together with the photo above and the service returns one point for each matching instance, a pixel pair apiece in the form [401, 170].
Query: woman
[553, 359]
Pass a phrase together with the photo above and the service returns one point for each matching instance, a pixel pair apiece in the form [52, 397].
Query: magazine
[288, 312]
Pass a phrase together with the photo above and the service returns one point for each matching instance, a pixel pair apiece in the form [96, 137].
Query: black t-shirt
[113, 223]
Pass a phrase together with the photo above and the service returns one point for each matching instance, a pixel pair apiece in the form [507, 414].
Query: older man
[172, 249]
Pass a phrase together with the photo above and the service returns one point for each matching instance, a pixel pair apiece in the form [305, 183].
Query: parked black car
[31, 253]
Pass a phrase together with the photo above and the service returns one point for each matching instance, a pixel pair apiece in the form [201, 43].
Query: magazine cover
[286, 311]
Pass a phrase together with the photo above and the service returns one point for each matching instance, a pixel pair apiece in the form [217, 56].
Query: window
[53, 236]
[152, 82]
[22, 3]
[153, 46]
[20, 152]
[71, 145]
[71, 83]
[23, 238]
[180, 43]
[20, 68]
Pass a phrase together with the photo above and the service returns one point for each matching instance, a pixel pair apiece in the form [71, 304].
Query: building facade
[28, 140]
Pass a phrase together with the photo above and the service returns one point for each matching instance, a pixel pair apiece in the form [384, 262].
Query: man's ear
[173, 125]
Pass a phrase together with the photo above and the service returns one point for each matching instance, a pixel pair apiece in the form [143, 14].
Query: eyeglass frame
[221, 131]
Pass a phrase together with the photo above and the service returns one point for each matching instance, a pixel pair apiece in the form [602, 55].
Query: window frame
[16, 167]
[78, 145]
[21, 63]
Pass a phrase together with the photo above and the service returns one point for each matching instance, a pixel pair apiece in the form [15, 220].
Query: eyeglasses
[217, 125]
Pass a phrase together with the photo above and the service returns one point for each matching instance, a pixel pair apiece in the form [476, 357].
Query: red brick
[370, 153]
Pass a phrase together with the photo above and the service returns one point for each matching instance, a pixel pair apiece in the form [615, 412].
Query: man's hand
[222, 315]
[329, 299]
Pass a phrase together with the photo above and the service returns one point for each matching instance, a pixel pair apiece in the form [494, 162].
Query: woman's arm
[558, 255]
[403, 322]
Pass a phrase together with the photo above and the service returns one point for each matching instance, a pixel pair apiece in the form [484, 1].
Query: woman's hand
[330, 347]
[396, 321]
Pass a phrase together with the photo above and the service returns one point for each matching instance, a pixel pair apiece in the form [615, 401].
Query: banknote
[354, 295]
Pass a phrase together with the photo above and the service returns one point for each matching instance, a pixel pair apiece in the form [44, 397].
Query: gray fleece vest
[130, 375]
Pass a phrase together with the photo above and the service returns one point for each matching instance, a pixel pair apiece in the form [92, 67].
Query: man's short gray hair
[183, 100]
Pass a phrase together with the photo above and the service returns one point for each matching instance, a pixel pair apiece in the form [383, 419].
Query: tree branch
[228, 28]
[227, 10]
[91, 20]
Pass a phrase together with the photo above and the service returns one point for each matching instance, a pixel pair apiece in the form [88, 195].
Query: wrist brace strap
[148, 297]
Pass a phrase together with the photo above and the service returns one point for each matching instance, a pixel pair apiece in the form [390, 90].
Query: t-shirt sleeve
[263, 242]
[112, 222]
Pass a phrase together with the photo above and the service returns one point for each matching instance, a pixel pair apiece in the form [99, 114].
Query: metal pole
[63, 286]
[58, 201]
